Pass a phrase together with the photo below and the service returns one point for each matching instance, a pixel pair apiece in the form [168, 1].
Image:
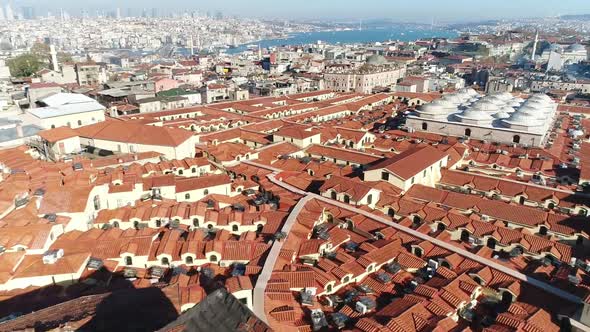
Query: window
[385, 176]
[391, 212]
[346, 199]
[158, 223]
[165, 261]
[333, 195]
[206, 192]
[424, 173]
[467, 132]
[180, 172]
[97, 202]
[424, 126]
[234, 228]
[412, 180]
[196, 222]
[187, 196]
[79, 122]
[346, 279]
[69, 124]
[370, 199]
[210, 226]
[52, 126]
[213, 258]
[583, 212]
[128, 260]
[329, 288]
[194, 170]
[516, 139]
[116, 224]
[188, 260]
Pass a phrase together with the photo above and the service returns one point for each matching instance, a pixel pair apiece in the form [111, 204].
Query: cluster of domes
[533, 114]
[495, 110]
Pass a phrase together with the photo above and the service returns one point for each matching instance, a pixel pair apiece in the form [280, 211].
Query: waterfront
[346, 37]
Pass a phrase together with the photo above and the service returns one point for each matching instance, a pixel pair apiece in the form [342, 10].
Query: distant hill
[581, 17]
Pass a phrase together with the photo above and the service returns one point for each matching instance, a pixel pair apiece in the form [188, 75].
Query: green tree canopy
[24, 65]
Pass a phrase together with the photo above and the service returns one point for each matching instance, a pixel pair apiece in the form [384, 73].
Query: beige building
[421, 165]
[377, 72]
[127, 137]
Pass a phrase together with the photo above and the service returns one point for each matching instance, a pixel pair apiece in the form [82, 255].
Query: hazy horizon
[442, 11]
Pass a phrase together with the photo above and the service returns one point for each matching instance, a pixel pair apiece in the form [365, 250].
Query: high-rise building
[2, 18]
[129, 12]
[8, 12]
[118, 14]
[28, 12]
[155, 12]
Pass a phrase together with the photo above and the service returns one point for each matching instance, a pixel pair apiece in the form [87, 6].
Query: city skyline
[455, 11]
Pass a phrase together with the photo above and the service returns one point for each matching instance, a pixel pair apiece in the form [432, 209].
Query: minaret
[259, 52]
[191, 46]
[53, 58]
[533, 54]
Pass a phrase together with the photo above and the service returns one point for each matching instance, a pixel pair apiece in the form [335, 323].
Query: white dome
[486, 106]
[454, 98]
[516, 102]
[506, 96]
[502, 115]
[532, 111]
[524, 119]
[496, 100]
[474, 114]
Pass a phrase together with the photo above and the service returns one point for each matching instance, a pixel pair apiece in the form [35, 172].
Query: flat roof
[54, 111]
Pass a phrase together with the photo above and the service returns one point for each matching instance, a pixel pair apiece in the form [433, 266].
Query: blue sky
[421, 10]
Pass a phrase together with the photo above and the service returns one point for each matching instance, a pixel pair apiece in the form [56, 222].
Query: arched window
[391, 212]
[418, 252]
[136, 224]
[206, 192]
[234, 228]
[116, 224]
[180, 172]
[52, 126]
[583, 212]
[445, 264]
[189, 260]
[370, 199]
[196, 222]
[158, 223]
[194, 170]
[165, 261]
[441, 227]
[521, 200]
[424, 126]
[346, 199]
[464, 236]
[543, 230]
[79, 122]
[333, 195]
[467, 132]
[213, 258]
[210, 226]
[491, 243]
[128, 260]
[346, 279]
[187, 196]
[516, 139]
[97, 202]
[259, 228]
[551, 206]
[329, 288]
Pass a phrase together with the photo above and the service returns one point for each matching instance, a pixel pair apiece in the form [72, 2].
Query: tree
[24, 65]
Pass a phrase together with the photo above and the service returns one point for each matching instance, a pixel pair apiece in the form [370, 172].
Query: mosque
[498, 117]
